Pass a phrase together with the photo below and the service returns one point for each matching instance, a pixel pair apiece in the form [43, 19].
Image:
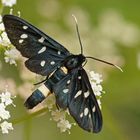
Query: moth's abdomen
[43, 91]
[37, 97]
[55, 78]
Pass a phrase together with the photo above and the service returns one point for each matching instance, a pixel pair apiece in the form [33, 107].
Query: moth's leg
[42, 81]
[57, 106]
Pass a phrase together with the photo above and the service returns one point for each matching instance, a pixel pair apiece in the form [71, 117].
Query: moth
[65, 75]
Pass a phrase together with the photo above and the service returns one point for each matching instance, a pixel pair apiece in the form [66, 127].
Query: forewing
[75, 93]
[34, 44]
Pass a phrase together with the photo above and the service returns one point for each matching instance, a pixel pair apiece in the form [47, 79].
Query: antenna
[105, 62]
[77, 29]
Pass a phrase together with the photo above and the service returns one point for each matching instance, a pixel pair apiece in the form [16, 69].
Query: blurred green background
[120, 104]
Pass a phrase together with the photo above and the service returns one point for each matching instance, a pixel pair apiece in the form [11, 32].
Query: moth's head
[74, 61]
[81, 58]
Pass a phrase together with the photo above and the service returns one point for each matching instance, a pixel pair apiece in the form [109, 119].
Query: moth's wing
[43, 64]
[33, 39]
[44, 53]
[75, 93]
[64, 88]
[83, 105]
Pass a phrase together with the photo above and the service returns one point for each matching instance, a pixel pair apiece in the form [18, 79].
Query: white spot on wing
[79, 77]
[93, 109]
[86, 94]
[59, 52]
[86, 111]
[21, 40]
[65, 90]
[25, 27]
[78, 94]
[81, 115]
[52, 63]
[89, 115]
[41, 40]
[42, 63]
[42, 50]
[23, 36]
[68, 82]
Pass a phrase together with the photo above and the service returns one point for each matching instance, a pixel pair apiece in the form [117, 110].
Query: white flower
[4, 114]
[9, 3]
[2, 28]
[11, 11]
[6, 98]
[96, 77]
[11, 56]
[4, 40]
[64, 125]
[95, 80]
[5, 127]
[97, 89]
[58, 115]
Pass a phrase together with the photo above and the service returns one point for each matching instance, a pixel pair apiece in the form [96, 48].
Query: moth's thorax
[74, 61]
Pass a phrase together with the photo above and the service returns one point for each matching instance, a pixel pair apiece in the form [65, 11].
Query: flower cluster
[9, 3]
[6, 100]
[95, 80]
[11, 54]
[4, 41]
[59, 116]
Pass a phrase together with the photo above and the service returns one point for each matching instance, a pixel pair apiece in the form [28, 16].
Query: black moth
[66, 77]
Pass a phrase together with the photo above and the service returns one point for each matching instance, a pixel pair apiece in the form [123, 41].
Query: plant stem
[30, 116]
